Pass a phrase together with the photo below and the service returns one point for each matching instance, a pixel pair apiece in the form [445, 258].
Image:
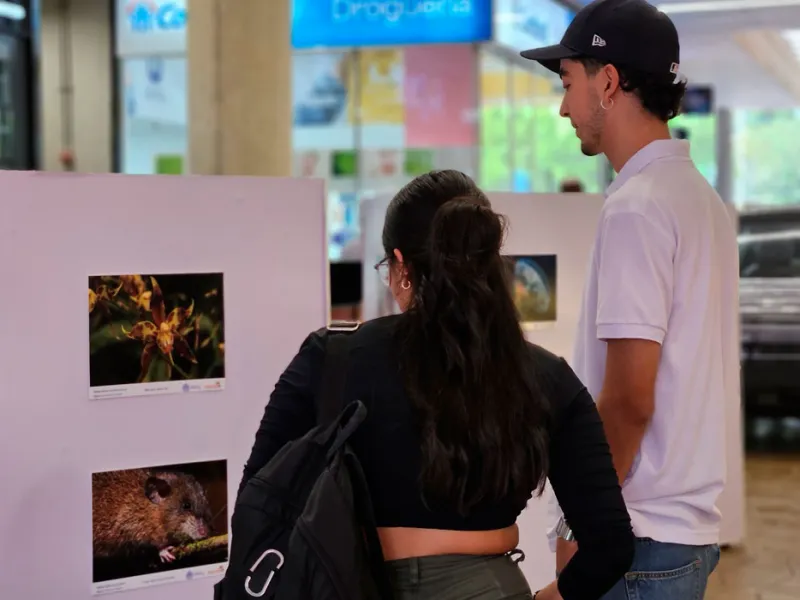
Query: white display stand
[564, 225]
[732, 500]
[376, 301]
[268, 238]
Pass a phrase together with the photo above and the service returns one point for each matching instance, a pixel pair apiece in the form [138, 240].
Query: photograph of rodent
[150, 519]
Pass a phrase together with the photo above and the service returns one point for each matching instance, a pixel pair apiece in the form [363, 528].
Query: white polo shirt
[665, 267]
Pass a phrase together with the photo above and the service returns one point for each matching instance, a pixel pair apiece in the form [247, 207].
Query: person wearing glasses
[467, 420]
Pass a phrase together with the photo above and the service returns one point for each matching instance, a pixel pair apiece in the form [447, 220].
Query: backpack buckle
[344, 326]
[272, 572]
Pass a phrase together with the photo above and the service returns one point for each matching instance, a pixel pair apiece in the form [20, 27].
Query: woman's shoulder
[556, 378]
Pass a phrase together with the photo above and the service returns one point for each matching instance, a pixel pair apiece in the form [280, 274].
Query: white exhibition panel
[267, 237]
[560, 224]
[564, 225]
[731, 502]
[377, 300]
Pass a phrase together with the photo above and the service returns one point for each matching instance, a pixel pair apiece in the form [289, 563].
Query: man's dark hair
[659, 97]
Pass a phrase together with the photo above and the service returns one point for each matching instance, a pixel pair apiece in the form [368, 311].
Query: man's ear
[610, 80]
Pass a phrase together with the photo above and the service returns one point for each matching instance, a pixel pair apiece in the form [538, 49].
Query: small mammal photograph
[155, 334]
[158, 520]
[534, 287]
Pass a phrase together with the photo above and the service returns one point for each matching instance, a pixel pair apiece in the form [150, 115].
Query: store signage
[354, 23]
[151, 27]
[158, 27]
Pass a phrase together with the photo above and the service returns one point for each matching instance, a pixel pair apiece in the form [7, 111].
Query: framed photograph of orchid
[156, 334]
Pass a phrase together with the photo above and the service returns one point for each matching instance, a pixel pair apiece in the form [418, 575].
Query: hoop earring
[604, 107]
[406, 285]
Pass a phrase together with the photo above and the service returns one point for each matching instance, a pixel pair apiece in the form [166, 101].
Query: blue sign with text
[149, 16]
[332, 23]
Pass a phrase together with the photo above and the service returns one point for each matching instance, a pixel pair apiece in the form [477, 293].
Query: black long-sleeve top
[581, 470]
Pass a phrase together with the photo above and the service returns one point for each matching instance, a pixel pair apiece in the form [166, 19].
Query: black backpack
[303, 526]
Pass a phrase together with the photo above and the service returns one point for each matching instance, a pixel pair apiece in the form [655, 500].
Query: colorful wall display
[336, 23]
[381, 80]
[441, 94]
[523, 24]
[322, 94]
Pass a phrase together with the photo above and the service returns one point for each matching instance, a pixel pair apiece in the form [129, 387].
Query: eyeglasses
[383, 270]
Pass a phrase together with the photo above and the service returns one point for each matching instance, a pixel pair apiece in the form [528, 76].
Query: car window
[777, 257]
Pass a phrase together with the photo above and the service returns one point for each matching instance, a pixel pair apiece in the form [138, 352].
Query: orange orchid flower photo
[149, 329]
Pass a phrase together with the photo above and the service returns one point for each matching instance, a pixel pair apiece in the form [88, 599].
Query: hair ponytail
[468, 372]
[465, 239]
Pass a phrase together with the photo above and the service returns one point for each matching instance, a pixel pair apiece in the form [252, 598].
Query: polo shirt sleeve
[635, 277]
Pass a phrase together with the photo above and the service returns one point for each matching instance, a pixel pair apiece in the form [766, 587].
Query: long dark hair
[482, 418]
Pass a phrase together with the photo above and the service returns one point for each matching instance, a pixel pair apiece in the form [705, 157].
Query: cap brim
[550, 57]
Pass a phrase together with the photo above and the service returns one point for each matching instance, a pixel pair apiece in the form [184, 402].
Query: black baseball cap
[631, 33]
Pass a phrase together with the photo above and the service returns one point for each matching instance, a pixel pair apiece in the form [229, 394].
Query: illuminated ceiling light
[703, 6]
[9, 10]
[792, 37]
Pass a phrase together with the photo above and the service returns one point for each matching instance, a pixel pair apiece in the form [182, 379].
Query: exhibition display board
[126, 426]
[732, 500]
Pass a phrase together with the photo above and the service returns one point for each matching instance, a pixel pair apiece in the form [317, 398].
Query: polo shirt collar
[652, 152]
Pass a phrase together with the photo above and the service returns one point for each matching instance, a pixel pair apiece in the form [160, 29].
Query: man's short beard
[593, 130]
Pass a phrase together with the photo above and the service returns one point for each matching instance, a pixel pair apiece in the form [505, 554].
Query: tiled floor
[767, 566]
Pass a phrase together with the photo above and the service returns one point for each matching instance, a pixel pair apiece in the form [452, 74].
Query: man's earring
[609, 107]
[406, 285]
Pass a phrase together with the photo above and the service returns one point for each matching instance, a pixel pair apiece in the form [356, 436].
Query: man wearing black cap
[656, 342]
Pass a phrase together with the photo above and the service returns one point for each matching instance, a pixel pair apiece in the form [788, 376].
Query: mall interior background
[103, 86]
[374, 107]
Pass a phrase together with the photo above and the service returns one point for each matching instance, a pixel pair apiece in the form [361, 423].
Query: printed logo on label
[147, 16]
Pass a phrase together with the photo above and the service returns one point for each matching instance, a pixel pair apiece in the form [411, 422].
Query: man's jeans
[663, 571]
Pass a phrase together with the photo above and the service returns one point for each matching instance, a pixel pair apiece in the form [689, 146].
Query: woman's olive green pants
[459, 577]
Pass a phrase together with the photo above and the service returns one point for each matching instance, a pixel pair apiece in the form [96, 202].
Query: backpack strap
[330, 401]
[366, 517]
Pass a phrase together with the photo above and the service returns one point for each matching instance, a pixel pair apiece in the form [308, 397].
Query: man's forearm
[625, 429]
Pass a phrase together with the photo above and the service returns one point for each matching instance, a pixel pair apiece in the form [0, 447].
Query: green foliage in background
[545, 146]
[766, 145]
[418, 162]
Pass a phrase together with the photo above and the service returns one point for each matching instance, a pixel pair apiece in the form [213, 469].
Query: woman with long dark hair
[466, 419]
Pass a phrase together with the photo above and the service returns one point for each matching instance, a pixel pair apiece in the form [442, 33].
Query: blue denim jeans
[662, 571]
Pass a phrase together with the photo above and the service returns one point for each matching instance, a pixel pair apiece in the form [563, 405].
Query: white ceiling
[711, 54]
[738, 79]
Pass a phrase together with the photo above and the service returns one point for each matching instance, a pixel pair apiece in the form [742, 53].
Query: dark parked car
[769, 297]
